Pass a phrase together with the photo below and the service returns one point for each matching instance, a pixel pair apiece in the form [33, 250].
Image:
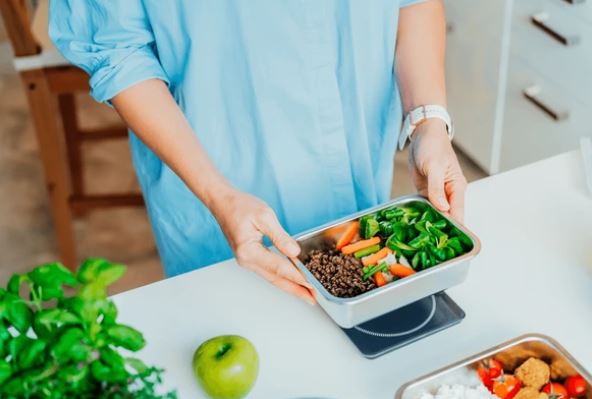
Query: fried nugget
[533, 373]
[530, 393]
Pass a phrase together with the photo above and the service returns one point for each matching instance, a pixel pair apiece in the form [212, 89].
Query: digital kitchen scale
[403, 326]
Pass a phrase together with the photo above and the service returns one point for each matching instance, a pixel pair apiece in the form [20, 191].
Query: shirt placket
[334, 154]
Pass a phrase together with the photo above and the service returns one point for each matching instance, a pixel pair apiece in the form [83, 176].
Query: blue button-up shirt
[294, 101]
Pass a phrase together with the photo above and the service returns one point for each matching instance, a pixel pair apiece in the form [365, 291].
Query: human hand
[245, 220]
[435, 169]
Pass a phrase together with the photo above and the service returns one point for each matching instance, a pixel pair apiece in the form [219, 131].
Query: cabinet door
[559, 47]
[473, 57]
[547, 124]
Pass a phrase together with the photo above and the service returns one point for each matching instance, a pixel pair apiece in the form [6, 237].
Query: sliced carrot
[401, 270]
[347, 236]
[356, 246]
[375, 257]
[379, 279]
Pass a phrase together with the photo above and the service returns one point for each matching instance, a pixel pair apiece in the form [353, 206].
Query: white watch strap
[417, 115]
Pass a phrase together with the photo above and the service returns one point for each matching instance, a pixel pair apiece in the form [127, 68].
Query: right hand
[245, 220]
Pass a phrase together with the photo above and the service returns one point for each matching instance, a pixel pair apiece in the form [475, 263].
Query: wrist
[217, 195]
[422, 116]
[429, 127]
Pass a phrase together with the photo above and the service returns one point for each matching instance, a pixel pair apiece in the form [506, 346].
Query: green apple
[226, 366]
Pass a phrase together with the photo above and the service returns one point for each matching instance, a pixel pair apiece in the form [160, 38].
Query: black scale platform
[405, 325]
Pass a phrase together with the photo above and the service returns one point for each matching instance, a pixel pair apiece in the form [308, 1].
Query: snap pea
[369, 272]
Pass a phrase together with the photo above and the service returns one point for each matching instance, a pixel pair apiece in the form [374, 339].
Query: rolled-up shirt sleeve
[405, 3]
[111, 40]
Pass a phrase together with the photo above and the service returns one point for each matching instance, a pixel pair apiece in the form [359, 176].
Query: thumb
[436, 193]
[270, 226]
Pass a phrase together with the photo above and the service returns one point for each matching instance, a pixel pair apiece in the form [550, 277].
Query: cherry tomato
[484, 376]
[488, 371]
[495, 368]
[506, 386]
[576, 386]
[555, 391]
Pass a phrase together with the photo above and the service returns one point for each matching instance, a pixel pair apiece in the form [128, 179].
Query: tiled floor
[122, 235]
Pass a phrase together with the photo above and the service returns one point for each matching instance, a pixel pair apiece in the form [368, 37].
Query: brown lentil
[340, 274]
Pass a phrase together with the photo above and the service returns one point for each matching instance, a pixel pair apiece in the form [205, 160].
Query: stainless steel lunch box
[349, 312]
[513, 352]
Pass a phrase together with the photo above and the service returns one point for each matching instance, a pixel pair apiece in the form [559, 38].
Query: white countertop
[534, 274]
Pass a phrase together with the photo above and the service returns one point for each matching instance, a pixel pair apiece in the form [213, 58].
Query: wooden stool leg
[49, 137]
[68, 113]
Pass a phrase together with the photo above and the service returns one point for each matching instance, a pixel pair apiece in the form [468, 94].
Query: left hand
[435, 169]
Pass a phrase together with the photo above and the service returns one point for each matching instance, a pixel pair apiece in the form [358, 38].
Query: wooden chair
[51, 84]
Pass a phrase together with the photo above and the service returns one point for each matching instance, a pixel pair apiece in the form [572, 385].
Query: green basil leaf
[70, 346]
[17, 345]
[136, 364]
[93, 290]
[48, 293]
[4, 334]
[112, 273]
[109, 312]
[100, 371]
[100, 271]
[3, 307]
[32, 354]
[111, 358]
[19, 315]
[90, 268]
[74, 375]
[125, 336]
[14, 388]
[103, 372]
[5, 371]
[14, 284]
[52, 275]
[48, 320]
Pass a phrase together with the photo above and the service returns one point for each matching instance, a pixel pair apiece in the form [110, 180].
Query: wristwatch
[418, 115]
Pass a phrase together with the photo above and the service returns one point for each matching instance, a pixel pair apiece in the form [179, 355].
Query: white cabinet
[519, 76]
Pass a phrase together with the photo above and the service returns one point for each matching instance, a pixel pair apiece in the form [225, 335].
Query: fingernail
[443, 203]
[292, 248]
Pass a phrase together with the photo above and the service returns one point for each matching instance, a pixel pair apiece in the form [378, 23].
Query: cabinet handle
[575, 1]
[540, 21]
[532, 94]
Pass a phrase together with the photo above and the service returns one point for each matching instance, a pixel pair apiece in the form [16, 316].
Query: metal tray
[348, 312]
[511, 354]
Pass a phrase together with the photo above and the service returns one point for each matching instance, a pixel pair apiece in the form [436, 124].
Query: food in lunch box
[386, 246]
[530, 393]
[532, 379]
[458, 391]
[533, 373]
[576, 386]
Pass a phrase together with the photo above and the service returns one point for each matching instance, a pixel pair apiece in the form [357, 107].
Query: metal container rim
[530, 337]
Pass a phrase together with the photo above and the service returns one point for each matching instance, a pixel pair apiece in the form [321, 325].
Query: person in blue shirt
[264, 118]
